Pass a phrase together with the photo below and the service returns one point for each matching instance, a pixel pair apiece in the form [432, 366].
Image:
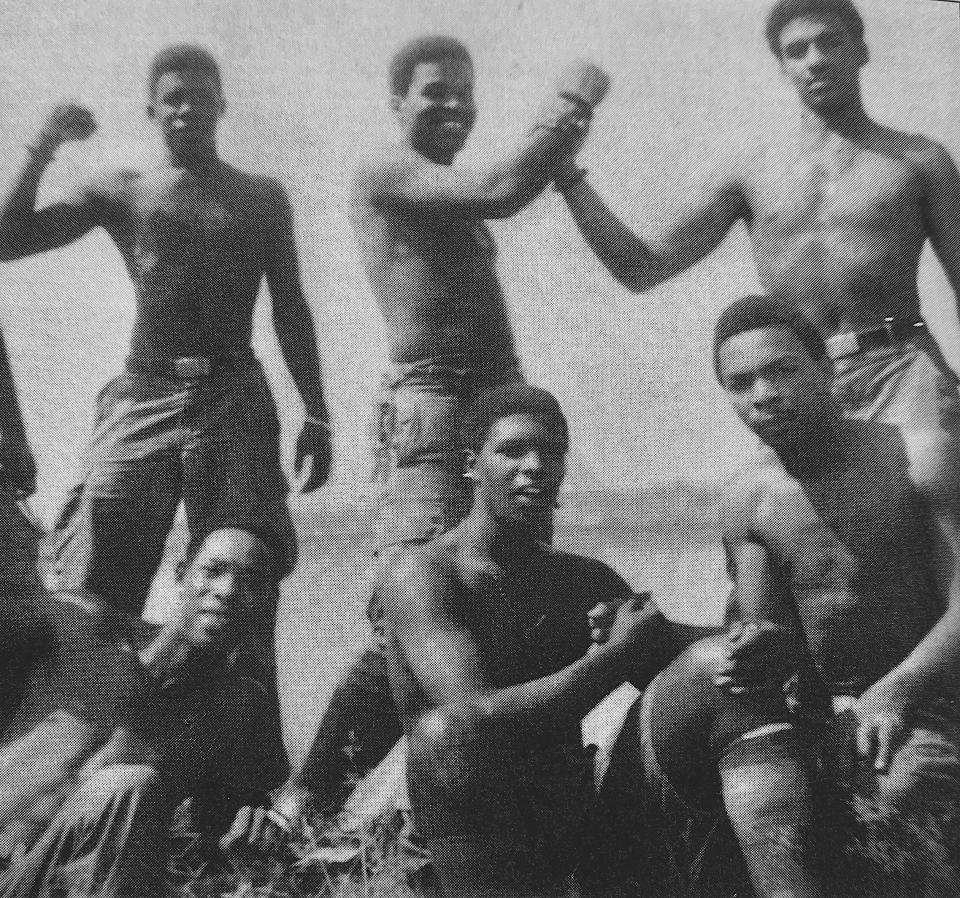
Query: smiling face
[224, 586]
[519, 469]
[186, 106]
[822, 59]
[437, 112]
[777, 388]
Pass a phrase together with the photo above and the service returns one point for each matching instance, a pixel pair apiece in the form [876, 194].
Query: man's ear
[469, 463]
[396, 101]
[863, 54]
[151, 111]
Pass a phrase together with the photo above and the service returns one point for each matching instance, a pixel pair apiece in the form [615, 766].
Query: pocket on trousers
[422, 429]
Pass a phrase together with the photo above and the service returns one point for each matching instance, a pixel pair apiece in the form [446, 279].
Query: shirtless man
[838, 210]
[430, 258]
[492, 669]
[191, 416]
[833, 530]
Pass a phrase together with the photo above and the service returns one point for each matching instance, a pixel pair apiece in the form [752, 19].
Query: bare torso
[838, 224]
[196, 247]
[851, 550]
[433, 274]
[524, 624]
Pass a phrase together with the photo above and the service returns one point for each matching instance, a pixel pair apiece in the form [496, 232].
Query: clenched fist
[66, 121]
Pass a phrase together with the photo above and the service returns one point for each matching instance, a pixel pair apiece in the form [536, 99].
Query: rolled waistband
[890, 332]
[191, 367]
[451, 372]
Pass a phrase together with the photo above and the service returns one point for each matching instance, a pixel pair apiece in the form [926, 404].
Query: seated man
[92, 759]
[208, 718]
[82, 808]
[835, 531]
[492, 669]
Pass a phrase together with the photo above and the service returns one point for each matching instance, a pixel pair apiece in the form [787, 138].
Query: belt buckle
[842, 345]
[192, 367]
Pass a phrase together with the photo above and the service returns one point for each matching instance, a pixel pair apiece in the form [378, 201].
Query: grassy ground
[662, 543]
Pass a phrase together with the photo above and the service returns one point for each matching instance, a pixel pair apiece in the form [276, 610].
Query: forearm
[625, 255]
[519, 179]
[298, 344]
[933, 667]
[566, 695]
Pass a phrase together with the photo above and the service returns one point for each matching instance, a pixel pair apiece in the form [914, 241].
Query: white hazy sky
[305, 82]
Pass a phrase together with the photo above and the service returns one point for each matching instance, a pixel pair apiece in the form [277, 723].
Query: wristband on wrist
[567, 181]
[316, 422]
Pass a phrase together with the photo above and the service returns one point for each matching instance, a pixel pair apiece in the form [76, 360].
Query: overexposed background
[306, 88]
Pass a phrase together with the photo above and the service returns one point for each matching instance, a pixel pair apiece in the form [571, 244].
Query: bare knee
[448, 746]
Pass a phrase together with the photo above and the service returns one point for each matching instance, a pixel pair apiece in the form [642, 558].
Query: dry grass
[325, 863]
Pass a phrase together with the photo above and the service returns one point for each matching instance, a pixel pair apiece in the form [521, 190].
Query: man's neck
[817, 452]
[848, 120]
[199, 160]
[505, 543]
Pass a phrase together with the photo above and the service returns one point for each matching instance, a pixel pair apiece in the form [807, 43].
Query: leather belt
[890, 333]
[190, 367]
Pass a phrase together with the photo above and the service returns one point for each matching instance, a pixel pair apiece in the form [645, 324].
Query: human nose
[815, 56]
[765, 393]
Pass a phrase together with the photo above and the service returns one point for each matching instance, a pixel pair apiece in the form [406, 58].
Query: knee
[449, 747]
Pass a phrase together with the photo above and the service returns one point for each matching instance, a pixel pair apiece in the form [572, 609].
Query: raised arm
[442, 654]
[704, 220]
[296, 334]
[408, 180]
[25, 230]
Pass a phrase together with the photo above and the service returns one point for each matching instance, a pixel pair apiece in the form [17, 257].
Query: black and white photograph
[493, 449]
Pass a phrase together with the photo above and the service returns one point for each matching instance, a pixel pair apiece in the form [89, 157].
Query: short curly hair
[184, 58]
[512, 399]
[785, 11]
[430, 48]
[751, 313]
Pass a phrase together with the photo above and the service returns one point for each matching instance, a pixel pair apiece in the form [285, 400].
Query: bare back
[197, 248]
[839, 224]
[850, 550]
[433, 273]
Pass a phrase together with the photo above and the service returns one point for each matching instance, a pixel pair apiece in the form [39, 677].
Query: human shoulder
[746, 490]
[420, 576]
[382, 170]
[925, 155]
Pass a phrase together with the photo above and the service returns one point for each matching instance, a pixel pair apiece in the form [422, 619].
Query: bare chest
[181, 214]
[839, 533]
[840, 189]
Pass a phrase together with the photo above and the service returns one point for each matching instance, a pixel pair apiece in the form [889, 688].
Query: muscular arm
[942, 211]
[291, 314]
[933, 667]
[704, 220]
[409, 182]
[442, 655]
[25, 230]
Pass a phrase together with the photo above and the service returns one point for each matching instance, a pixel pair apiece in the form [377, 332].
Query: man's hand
[883, 715]
[313, 442]
[633, 622]
[760, 657]
[584, 83]
[600, 618]
[66, 121]
[581, 86]
[266, 831]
